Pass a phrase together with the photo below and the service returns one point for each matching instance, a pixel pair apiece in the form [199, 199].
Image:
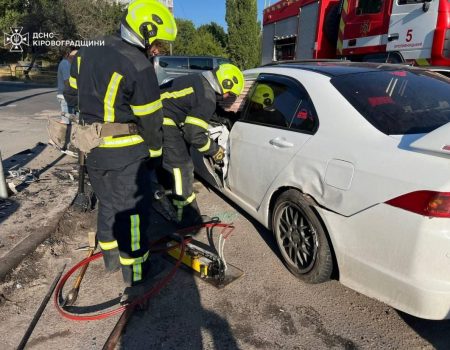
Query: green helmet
[146, 21]
[263, 95]
[230, 79]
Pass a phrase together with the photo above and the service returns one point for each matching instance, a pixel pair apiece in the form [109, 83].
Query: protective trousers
[123, 218]
[177, 161]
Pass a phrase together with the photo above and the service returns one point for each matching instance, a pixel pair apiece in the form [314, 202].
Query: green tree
[243, 32]
[185, 37]
[67, 19]
[34, 16]
[217, 32]
[196, 42]
[94, 18]
[205, 44]
[11, 14]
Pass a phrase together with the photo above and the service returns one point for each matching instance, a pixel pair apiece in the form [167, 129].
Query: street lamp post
[3, 188]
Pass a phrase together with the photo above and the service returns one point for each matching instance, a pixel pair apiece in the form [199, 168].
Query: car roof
[338, 68]
[441, 68]
[188, 56]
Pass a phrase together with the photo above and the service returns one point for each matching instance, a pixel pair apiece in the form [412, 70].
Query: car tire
[301, 238]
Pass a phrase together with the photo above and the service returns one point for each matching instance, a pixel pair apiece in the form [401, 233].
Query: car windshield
[398, 102]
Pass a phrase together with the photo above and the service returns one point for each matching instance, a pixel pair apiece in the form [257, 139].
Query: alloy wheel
[298, 238]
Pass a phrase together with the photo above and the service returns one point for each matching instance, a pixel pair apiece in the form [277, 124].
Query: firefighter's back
[106, 82]
[182, 95]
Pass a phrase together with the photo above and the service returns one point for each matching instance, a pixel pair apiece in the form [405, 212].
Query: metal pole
[39, 312]
[3, 187]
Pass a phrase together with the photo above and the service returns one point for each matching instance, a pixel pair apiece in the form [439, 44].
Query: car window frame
[280, 79]
[200, 58]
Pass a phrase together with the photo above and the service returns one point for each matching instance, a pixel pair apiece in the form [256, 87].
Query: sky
[206, 11]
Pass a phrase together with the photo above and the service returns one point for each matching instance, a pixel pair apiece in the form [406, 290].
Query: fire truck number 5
[409, 35]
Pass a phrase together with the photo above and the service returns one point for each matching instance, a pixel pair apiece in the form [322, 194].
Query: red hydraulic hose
[138, 301]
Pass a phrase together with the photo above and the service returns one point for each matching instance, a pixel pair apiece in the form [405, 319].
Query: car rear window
[201, 63]
[398, 102]
[174, 62]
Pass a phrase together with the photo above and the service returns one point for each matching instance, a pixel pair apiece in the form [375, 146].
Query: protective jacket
[116, 83]
[189, 103]
[113, 83]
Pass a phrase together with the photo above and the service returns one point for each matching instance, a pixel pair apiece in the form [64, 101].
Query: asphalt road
[24, 109]
[265, 309]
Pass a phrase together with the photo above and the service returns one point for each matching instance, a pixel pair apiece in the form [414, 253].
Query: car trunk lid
[436, 141]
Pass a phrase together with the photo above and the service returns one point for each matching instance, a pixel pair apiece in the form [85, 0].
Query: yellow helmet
[230, 79]
[146, 21]
[263, 95]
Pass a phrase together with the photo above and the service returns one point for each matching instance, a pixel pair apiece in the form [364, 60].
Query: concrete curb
[27, 246]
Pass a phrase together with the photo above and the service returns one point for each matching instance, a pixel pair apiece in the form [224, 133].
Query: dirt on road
[266, 309]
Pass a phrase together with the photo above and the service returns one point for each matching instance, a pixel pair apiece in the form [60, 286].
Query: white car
[349, 165]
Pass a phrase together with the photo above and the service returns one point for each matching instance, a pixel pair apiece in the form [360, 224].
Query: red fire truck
[413, 31]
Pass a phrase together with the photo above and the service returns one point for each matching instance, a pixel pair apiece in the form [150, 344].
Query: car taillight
[427, 203]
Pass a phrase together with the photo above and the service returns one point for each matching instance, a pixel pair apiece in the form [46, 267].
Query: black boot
[156, 266]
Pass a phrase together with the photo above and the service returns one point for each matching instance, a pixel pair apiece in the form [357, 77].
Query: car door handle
[281, 143]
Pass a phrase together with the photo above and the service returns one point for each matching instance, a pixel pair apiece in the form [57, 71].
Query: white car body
[350, 170]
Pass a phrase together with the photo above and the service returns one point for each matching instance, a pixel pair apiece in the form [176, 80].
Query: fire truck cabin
[415, 31]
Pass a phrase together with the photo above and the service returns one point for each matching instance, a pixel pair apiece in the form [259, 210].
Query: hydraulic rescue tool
[206, 262]
[209, 266]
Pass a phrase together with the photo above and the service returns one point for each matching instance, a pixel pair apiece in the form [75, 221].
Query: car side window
[201, 63]
[173, 62]
[281, 102]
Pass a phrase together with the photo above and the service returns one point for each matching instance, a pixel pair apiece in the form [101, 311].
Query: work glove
[219, 156]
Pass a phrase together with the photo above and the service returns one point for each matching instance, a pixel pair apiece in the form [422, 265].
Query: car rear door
[271, 132]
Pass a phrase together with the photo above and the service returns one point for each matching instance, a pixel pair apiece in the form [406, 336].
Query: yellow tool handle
[91, 240]
[80, 276]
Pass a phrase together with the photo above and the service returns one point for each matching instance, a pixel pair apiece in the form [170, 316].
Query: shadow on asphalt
[22, 158]
[8, 87]
[7, 208]
[265, 234]
[19, 160]
[437, 333]
[176, 318]
[26, 97]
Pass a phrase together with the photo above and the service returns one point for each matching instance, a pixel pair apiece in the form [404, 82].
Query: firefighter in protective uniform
[119, 101]
[189, 102]
[262, 101]
[263, 96]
